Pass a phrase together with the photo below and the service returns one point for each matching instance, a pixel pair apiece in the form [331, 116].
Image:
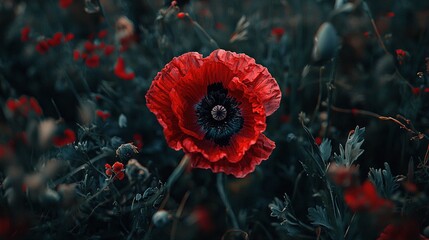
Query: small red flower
[120, 72]
[24, 105]
[401, 55]
[25, 34]
[318, 140]
[138, 141]
[102, 34]
[221, 103]
[103, 114]
[277, 32]
[56, 39]
[42, 46]
[76, 55]
[415, 91]
[65, 3]
[92, 61]
[109, 49]
[89, 47]
[365, 198]
[68, 37]
[67, 137]
[35, 106]
[404, 231]
[181, 15]
[117, 170]
[390, 14]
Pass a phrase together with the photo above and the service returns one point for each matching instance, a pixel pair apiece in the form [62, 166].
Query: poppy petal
[255, 76]
[260, 151]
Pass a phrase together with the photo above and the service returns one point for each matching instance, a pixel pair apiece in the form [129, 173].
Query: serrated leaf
[352, 150]
[319, 217]
[313, 163]
[325, 149]
[279, 208]
[383, 180]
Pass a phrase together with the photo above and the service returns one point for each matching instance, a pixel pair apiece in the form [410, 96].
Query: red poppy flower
[120, 72]
[102, 34]
[68, 137]
[65, 3]
[103, 114]
[117, 169]
[68, 37]
[76, 55]
[42, 47]
[25, 34]
[219, 110]
[56, 39]
[406, 230]
[93, 61]
[277, 32]
[109, 50]
[365, 198]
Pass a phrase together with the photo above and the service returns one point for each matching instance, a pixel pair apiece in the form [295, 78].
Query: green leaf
[319, 217]
[279, 208]
[383, 180]
[351, 151]
[325, 149]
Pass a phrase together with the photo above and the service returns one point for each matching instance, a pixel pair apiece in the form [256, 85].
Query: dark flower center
[219, 115]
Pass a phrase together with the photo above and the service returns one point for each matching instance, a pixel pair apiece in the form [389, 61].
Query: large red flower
[214, 108]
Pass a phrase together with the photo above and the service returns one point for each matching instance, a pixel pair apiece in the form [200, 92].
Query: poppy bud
[326, 43]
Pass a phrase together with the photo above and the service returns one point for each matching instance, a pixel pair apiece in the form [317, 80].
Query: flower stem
[222, 194]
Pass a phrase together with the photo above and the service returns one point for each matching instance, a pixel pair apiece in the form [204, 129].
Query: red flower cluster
[365, 198]
[120, 71]
[25, 34]
[103, 114]
[138, 141]
[24, 105]
[219, 110]
[43, 45]
[117, 170]
[401, 55]
[67, 137]
[65, 3]
[277, 32]
[408, 230]
[91, 52]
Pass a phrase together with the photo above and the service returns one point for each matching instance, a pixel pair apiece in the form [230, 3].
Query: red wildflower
[401, 55]
[318, 140]
[93, 61]
[138, 141]
[67, 137]
[102, 34]
[120, 72]
[390, 14]
[68, 37]
[277, 32]
[24, 105]
[181, 15]
[415, 90]
[117, 169]
[56, 39]
[25, 34]
[103, 114]
[35, 106]
[65, 3]
[221, 103]
[408, 230]
[76, 55]
[42, 46]
[89, 46]
[109, 50]
[365, 198]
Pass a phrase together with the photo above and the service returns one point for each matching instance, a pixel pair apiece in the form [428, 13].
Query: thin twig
[178, 215]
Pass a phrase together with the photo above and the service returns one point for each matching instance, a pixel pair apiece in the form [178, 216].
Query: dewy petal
[255, 76]
[258, 152]
[158, 98]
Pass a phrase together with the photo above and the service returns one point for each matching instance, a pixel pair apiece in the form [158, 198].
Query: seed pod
[126, 151]
[326, 43]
